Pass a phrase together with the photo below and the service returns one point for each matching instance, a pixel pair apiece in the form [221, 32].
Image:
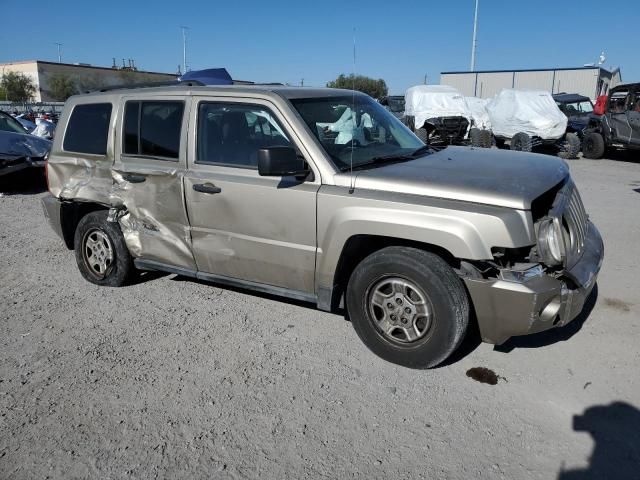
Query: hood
[16, 145]
[502, 178]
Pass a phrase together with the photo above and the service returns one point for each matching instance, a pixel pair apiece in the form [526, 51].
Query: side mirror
[280, 162]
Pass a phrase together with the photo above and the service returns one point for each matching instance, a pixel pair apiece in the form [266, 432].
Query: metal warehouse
[588, 81]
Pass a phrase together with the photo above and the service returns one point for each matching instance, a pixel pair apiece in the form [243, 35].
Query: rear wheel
[593, 146]
[101, 253]
[570, 146]
[408, 306]
[521, 142]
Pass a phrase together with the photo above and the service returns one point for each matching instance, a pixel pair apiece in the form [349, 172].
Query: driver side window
[231, 134]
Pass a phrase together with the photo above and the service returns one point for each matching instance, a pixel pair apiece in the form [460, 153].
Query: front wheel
[475, 137]
[408, 306]
[570, 146]
[101, 253]
[521, 142]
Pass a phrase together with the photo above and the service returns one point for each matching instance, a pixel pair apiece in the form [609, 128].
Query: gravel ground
[176, 378]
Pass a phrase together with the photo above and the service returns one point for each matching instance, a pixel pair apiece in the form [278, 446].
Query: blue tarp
[209, 76]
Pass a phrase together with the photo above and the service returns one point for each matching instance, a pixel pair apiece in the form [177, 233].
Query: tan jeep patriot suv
[324, 196]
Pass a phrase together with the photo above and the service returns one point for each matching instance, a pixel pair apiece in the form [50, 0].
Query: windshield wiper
[387, 159]
[421, 150]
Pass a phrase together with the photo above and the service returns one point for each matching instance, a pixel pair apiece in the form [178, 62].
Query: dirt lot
[175, 378]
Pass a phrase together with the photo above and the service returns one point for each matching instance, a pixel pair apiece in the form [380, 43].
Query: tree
[375, 88]
[62, 87]
[17, 87]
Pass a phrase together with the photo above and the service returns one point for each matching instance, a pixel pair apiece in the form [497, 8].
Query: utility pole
[473, 42]
[425, 78]
[302, 82]
[184, 48]
[59, 51]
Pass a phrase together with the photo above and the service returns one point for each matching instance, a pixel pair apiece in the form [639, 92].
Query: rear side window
[152, 128]
[88, 129]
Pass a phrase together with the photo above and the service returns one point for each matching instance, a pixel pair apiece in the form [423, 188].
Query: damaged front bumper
[506, 309]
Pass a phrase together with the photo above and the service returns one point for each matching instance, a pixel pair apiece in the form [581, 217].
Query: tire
[405, 279]
[521, 142]
[593, 146]
[475, 135]
[570, 147]
[486, 139]
[421, 133]
[99, 245]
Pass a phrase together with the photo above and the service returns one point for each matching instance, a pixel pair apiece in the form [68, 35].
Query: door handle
[206, 188]
[134, 178]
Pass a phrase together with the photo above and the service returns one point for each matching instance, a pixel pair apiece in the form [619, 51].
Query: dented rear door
[148, 171]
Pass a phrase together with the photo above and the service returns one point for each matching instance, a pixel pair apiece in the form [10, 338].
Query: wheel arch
[70, 216]
[360, 246]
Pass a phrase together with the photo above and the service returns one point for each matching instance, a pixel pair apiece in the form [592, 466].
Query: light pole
[59, 51]
[473, 42]
[184, 48]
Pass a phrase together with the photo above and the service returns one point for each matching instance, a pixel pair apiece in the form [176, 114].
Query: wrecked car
[323, 196]
[615, 124]
[439, 115]
[395, 104]
[530, 119]
[18, 149]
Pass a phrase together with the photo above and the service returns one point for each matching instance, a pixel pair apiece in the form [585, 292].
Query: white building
[86, 77]
[587, 81]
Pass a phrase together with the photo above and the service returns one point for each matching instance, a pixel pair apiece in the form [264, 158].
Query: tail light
[601, 105]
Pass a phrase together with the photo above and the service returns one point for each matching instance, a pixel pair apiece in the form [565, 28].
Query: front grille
[569, 209]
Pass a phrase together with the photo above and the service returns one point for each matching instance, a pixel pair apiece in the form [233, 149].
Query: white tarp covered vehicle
[531, 118]
[439, 113]
[478, 108]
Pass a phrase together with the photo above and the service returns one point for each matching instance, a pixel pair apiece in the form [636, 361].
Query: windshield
[10, 124]
[577, 108]
[356, 127]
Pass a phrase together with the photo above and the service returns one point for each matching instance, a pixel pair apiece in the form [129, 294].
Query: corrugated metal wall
[541, 80]
[465, 82]
[584, 81]
[488, 84]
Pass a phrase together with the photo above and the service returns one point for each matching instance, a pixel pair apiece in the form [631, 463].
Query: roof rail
[175, 83]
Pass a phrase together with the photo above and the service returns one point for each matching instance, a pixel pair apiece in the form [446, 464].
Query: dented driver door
[150, 163]
[246, 227]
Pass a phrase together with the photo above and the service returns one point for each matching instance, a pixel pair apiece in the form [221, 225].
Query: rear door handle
[133, 178]
[206, 188]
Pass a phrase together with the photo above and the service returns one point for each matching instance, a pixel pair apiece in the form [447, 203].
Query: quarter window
[88, 129]
[152, 128]
[232, 134]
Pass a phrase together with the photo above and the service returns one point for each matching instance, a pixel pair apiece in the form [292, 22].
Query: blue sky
[285, 41]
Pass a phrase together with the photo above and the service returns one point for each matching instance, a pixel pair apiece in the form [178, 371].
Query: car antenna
[353, 113]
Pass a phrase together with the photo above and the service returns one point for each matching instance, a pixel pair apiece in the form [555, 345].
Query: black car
[18, 148]
[577, 108]
[395, 104]
[618, 125]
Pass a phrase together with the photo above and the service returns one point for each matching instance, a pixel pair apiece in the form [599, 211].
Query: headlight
[551, 242]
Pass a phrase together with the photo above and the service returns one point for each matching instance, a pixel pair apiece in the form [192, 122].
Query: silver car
[324, 196]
